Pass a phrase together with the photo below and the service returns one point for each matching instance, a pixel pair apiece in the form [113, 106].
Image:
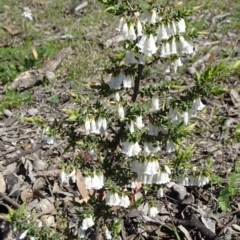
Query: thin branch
[9, 200]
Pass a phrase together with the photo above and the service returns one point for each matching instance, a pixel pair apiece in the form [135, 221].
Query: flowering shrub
[139, 132]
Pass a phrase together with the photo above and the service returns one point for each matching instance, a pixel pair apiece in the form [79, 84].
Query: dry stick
[14, 159]
[193, 222]
[9, 200]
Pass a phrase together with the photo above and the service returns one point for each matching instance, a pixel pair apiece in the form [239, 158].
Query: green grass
[13, 99]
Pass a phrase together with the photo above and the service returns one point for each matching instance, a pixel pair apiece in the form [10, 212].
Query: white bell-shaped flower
[131, 33]
[177, 63]
[167, 169]
[139, 28]
[173, 116]
[196, 106]
[130, 127]
[87, 126]
[121, 112]
[161, 178]
[87, 223]
[160, 193]
[127, 148]
[141, 42]
[116, 81]
[130, 57]
[153, 130]
[167, 48]
[162, 33]
[108, 234]
[169, 29]
[136, 149]
[112, 199]
[151, 168]
[174, 47]
[163, 51]
[155, 103]
[117, 97]
[185, 116]
[120, 24]
[88, 182]
[184, 180]
[174, 27]
[124, 201]
[152, 17]
[146, 149]
[146, 179]
[170, 146]
[166, 68]
[94, 127]
[185, 47]
[125, 30]
[153, 211]
[139, 122]
[181, 26]
[127, 81]
[149, 47]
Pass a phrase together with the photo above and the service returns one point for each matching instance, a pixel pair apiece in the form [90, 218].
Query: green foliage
[13, 99]
[230, 190]
[19, 59]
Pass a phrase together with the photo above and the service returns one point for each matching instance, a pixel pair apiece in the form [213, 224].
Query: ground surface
[77, 40]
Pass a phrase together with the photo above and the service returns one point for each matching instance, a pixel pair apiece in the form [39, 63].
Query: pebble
[32, 111]
[7, 113]
[191, 70]
[168, 78]
[50, 76]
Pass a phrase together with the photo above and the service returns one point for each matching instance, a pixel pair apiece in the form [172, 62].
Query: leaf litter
[29, 166]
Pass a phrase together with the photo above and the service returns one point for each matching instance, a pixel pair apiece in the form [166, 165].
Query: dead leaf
[26, 194]
[35, 54]
[2, 184]
[12, 29]
[56, 187]
[235, 97]
[48, 220]
[185, 232]
[138, 186]
[209, 223]
[80, 185]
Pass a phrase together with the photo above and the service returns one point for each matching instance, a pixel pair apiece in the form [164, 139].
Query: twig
[14, 159]
[9, 200]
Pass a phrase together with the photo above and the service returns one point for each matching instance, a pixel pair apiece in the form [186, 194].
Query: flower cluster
[95, 181]
[131, 149]
[86, 224]
[27, 13]
[198, 181]
[113, 199]
[150, 172]
[98, 126]
[117, 81]
[67, 178]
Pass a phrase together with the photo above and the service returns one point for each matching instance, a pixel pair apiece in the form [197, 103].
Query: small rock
[191, 70]
[50, 76]
[168, 78]
[40, 165]
[181, 191]
[7, 113]
[32, 111]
